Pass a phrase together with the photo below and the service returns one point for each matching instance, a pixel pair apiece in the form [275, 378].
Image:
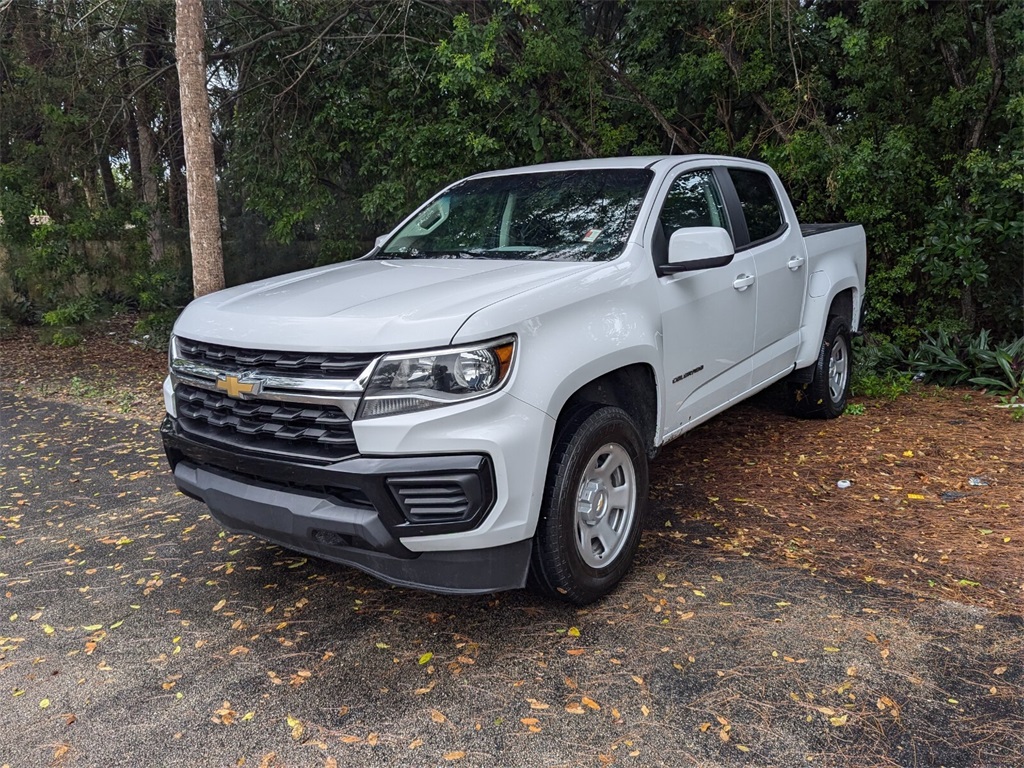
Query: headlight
[416, 381]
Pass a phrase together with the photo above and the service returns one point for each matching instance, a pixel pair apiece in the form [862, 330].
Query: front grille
[319, 432]
[311, 365]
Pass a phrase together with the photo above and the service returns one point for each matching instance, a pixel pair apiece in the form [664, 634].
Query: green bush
[884, 370]
[950, 361]
[153, 331]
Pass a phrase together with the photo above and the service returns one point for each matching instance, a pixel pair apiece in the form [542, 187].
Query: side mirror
[694, 248]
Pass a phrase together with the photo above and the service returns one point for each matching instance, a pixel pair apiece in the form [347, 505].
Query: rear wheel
[592, 514]
[826, 395]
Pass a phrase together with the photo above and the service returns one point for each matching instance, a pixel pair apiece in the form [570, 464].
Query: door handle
[742, 282]
[795, 263]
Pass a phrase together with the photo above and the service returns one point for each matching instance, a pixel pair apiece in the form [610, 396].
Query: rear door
[776, 248]
[707, 314]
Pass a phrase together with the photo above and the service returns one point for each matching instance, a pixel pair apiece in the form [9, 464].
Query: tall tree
[200, 171]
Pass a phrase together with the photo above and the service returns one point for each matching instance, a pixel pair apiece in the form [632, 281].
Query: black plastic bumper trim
[363, 477]
[350, 536]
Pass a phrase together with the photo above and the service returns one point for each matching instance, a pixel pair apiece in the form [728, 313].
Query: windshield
[582, 215]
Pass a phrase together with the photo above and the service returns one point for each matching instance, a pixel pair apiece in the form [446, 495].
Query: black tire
[826, 395]
[581, 552]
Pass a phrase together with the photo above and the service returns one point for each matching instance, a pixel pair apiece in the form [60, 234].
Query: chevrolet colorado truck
[471, 407]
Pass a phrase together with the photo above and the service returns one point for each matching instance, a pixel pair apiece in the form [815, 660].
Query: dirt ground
[772, 617]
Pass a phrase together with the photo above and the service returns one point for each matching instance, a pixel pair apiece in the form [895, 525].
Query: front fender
[575, 330]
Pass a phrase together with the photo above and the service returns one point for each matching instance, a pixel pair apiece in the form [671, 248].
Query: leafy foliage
[884, 370]
[333, 120]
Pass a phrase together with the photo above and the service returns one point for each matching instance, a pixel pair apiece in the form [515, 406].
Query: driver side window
[693, 200]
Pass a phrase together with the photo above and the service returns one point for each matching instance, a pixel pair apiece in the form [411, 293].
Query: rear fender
[836, 271]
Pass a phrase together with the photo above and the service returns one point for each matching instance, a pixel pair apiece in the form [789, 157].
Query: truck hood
[364, 306]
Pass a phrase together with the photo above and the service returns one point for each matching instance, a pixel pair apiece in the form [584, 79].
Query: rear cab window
[759, 203]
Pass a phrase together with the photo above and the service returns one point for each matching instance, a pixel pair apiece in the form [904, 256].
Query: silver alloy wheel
[838, 369]
[605, 505]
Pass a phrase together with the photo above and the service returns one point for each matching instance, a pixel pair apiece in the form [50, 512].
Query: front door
[707, 314]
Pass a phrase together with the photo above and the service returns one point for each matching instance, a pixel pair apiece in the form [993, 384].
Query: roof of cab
[643, 161]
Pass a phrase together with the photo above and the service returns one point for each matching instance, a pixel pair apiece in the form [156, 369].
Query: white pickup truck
[471, 406]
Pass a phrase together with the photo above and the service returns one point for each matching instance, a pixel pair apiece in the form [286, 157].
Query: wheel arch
[843, 302]
[633, 388]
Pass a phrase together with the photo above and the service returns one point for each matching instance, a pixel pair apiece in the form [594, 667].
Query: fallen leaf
[297, 727]
[534, 704]
[220, 604]
[589, 702]
[415, 743]
[437, 716]
[454, 755]
[838, 720]
[573, 632]
[349, 739]
[425, 658]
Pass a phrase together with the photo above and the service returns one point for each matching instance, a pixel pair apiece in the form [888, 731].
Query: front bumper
[356, 511]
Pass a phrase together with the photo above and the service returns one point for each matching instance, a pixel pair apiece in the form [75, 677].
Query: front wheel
[826, 395]
[592, 515]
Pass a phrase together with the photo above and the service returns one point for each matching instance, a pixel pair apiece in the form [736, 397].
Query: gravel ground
[137, 632]
[771, 619]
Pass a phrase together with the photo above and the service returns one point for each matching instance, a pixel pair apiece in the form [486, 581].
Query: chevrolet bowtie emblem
[235, 387]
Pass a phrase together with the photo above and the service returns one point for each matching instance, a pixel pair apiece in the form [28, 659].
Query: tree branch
[735, 63]
[680, 137]
[997, 81]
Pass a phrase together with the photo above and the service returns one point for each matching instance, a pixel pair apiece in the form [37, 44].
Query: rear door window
[760, 205]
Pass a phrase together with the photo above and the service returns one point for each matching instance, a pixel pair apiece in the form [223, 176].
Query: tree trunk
[148, 161]
[200, 173]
